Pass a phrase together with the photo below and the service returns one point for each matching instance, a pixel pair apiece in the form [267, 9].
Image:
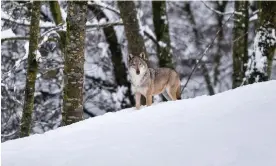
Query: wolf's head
[137, 64]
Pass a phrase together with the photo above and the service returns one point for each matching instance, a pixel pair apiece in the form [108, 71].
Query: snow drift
[234, 128]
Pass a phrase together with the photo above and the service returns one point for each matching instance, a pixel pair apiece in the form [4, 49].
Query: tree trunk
[240, 53]
[74, 62]
[161, 28]
[56, 13]
[217, 59]
[129, 16]
[31, 71]
[136, 43]
[120, 70]
[260, 63]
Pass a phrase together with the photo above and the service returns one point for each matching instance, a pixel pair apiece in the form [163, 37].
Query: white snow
[234, 128]
[7, 33]
[105, 48]
[254, 17]
[162, 44]
[63, 13]
[38, 57]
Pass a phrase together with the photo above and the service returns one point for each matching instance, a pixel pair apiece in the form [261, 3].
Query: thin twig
[205, 51]
[239, 37]
[151, 37]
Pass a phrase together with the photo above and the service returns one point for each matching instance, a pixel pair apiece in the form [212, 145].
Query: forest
[66, 61]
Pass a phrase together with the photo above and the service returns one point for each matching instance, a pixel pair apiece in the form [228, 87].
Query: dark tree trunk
[161, 28]
[74, 62]
[31, 71]
[217, 58]
[129, 16]
[240, 53]
[120, 70]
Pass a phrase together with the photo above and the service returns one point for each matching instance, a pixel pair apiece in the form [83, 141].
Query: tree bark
[161, 28]
[264, 44]
[56, 13]
[129, 16]
[120, 70]
[240, 53]
[74, 62]
[31, 71]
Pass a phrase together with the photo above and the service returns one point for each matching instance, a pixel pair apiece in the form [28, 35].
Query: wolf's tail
[178, 93]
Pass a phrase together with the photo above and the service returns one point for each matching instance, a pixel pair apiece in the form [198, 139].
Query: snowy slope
[235, 128]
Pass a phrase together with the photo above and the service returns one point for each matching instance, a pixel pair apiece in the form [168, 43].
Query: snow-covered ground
[233, 128]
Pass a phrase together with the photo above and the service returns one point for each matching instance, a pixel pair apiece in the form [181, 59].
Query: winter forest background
[215, 46]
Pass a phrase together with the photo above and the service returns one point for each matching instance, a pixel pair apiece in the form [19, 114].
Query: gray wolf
[149, 82]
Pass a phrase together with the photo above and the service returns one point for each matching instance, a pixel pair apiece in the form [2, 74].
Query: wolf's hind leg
[172, 92]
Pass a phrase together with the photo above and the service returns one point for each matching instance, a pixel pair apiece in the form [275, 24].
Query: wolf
[149, 82]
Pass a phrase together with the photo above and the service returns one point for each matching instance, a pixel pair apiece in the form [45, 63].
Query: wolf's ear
[130, 56]
[143, 55]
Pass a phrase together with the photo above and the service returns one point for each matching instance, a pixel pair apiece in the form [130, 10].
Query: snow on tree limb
[51, 25]
[105, 6]
[23, 22]
[221, 13]
[15, 38]
[103, 25]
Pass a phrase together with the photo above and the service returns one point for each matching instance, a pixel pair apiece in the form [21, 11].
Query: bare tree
[240, 53]
[74, 61]
[221, 43]
[31, 71]
[161, 28]
[120, 71]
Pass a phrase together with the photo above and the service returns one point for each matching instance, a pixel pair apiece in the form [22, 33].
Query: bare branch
[15, 38]
[204, 52]
[239, 37]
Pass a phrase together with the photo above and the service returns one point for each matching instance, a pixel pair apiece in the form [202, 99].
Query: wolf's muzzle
[137, 72]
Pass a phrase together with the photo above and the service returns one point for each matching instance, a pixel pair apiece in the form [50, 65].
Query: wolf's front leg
[149, 99]
[137, 100]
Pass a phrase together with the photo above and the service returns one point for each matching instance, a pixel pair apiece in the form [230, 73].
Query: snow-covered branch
[6, 89]
[24, 22]
[15, 38]
[105, 6]
[219, 12]
[103, 25]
